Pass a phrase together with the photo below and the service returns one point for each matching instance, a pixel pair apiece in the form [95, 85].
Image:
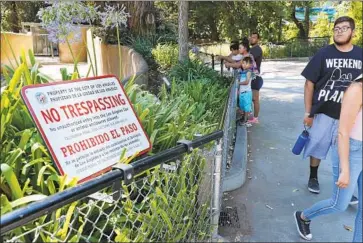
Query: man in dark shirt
[256, 50]
[257, 83]
[327, 75]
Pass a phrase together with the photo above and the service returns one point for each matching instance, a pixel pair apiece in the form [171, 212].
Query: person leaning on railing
[244, 51]
[234, 56]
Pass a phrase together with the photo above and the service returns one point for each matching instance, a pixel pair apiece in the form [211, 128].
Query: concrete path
[277, 179]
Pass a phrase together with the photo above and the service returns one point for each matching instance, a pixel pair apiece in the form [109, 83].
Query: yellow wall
[108, 60]
[78, 48]
[18, 42]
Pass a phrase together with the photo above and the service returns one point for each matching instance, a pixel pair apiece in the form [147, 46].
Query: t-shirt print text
[339, 81]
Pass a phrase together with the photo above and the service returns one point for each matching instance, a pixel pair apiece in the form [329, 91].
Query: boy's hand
[308, 121]
[227, 64]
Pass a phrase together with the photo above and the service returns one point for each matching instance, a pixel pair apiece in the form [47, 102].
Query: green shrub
[193, 105]
[144, 47]
[295, 48]
[195, 70]
[166, 55]
[274, 51]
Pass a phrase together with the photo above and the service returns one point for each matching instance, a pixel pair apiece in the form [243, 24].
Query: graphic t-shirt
[332, 71]
[256, 52]
[243, 77]
[237, 57]
[254, 65]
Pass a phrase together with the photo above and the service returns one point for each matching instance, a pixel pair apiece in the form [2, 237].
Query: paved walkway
[278, 179]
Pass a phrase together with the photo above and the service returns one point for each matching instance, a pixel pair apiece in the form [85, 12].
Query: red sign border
[45, 138]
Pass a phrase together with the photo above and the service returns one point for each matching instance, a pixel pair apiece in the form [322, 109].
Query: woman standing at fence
[347, 166]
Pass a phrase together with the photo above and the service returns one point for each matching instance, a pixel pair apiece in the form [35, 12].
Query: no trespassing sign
[86, 124]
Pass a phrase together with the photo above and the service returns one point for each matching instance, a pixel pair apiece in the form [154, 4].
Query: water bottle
[300, 142]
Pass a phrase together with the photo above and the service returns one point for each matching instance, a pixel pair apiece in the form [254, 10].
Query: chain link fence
[170, 202]
[295, 48]
[176, 199]
[229, 125]
[175, 196]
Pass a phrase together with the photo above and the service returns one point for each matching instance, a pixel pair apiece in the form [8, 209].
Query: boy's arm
[225, 58]
[247, 81]
[234, 64]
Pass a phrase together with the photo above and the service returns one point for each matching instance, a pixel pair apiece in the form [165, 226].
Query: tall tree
[14, 17]
[204, 19]
[183, 31]
[322, 27]
[15, 12]
[143, 16]
[304, 26]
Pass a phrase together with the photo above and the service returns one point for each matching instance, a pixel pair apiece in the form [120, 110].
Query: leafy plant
[166, 55]
[63, 19]
[195, 69]
[115, 17]
[168, 212]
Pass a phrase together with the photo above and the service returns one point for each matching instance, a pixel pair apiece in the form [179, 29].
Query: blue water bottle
[300, 142]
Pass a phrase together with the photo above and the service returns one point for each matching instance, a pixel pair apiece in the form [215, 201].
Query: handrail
[51, 203]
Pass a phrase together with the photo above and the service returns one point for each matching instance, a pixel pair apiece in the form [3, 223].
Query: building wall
[18, 42]
[107, 57]
[78, 48]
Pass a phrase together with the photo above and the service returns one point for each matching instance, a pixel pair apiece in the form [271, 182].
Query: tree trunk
[307, 20]
[142, 20]
[214, 31]
[298, 24]
[14, 18]
[280, 31]
[183, 31]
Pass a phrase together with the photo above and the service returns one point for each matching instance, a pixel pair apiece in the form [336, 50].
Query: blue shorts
[257, 83]
[245, 101]
[322, 135]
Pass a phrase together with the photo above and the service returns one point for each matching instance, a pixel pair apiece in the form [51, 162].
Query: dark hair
[246, 44]
[233, 46]
[256, 33]
[248, 60]
[245, 40]
[345, 19]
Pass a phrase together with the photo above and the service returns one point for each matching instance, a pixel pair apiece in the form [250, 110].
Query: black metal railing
[213, 61]
[24, 215]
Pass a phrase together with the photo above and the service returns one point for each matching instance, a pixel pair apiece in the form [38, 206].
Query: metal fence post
[222, 67]
[217, 189]
[212, 61]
